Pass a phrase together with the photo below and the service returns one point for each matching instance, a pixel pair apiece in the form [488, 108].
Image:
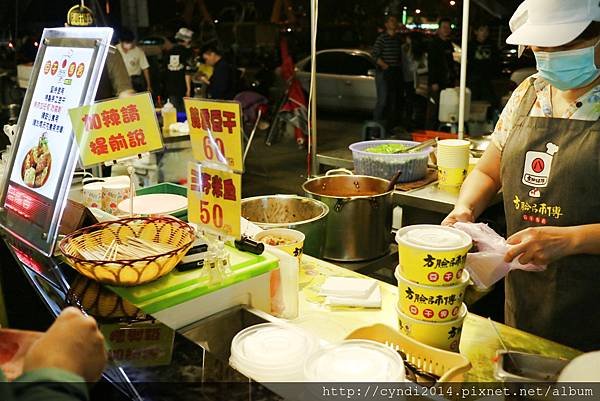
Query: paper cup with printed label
[432, 255]
[288, 240]
[112, 195]
[92, 195]
[443, 335]
[431, 303]
[451, 176]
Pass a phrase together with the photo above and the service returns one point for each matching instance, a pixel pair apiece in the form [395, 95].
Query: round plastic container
[428, 302]
[431, 254]
[442, 335]
[272, 352]
[412, 165]
[355, 361]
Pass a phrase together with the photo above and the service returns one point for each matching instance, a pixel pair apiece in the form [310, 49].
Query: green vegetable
[387, 148]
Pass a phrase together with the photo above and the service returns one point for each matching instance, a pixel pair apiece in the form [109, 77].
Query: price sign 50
[214, 198]
[208, 216]
[215, 132]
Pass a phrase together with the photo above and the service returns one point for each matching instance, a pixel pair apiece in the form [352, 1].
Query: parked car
[345, 79]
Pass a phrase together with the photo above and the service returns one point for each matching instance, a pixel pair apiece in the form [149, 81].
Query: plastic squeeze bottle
[169, 115]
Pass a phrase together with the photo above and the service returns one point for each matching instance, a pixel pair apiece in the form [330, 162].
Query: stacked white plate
[272, 352]
[355, 361]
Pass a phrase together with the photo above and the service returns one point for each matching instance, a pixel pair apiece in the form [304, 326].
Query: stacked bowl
[431, 284]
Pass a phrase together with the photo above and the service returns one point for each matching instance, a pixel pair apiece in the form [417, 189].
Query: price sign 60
[209, 151]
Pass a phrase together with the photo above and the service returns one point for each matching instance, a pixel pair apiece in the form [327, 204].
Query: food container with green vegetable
[384, 158]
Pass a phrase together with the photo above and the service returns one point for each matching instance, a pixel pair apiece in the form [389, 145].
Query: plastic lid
[355, 360]
[434, 237]
[271, 345]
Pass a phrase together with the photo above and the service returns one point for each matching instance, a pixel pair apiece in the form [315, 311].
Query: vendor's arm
[544, 245]
[478, 189]
[47, 384]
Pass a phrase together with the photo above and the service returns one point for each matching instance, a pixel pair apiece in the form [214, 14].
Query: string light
[418, 11]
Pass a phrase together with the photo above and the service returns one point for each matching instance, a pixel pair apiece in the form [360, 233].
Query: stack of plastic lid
[355, 361]
[272, 352]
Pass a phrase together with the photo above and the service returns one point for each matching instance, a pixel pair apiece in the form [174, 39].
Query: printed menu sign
[116, 129]
[45, 141]
[216, 132]
[214, 200]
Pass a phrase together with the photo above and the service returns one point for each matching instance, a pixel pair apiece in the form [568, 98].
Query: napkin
[372, 301]
[348, 287]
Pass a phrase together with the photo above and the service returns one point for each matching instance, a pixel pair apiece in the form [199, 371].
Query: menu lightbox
[65, 75]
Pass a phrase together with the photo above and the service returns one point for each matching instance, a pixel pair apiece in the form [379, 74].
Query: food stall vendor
[545, 159]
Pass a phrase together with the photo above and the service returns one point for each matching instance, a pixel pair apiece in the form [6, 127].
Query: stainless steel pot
[360, 215]
[290, 211]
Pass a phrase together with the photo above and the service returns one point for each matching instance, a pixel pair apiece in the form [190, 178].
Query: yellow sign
[214, 200]
[216, 132]
[116, 129]
[139, 344]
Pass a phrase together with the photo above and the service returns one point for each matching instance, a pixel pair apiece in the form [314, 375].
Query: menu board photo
[44, 146]
[65, 75]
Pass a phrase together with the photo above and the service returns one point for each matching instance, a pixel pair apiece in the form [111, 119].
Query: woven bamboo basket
[165, 231]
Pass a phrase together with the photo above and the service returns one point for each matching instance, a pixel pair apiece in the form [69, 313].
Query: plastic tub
[431, 254]
[355, 361]
[412, 165]
[442, 335]
[271, 352]
[431, 303]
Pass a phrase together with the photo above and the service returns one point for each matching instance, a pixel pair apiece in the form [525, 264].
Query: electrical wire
[313, 77]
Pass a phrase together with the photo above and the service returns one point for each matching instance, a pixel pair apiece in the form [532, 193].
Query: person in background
[135, 62]
[58, 365]
[482, 62]
[414, 60]
[221, 84]
[114, 80]
[179, 69]
[544, 157]
[387, 52]
[442, 68]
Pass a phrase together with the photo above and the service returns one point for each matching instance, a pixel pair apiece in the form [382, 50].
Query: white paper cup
[453, 153]
[112, 195]
[92, 195]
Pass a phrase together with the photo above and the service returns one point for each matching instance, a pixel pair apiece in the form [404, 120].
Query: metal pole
[463, 69]
[314, 7]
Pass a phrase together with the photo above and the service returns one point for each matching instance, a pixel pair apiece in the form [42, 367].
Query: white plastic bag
[487, 266]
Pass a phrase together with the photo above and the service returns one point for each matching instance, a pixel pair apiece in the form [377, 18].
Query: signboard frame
[43, 236]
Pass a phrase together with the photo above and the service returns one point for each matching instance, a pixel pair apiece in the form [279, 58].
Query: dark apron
[545, 186]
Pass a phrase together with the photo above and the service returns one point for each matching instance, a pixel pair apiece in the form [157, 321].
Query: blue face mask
[568, 69]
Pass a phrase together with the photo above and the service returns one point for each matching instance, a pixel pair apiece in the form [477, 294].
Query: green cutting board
[178, 287]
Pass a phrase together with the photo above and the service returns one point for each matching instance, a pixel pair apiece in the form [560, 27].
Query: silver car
[345, 79]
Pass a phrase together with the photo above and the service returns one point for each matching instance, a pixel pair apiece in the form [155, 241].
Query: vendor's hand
[539, 245]
[460, 213]
[204, 79]
[188, 93]
[73, 343]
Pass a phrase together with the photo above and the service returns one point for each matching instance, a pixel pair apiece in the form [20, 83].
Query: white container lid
[355, 361]
[434, 237]
[271, 352]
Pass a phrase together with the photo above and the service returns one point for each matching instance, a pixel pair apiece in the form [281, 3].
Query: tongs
[421, 146]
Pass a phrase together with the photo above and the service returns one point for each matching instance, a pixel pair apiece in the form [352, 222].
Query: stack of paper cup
[432, 283]
[112, 195]
[453, 162]
[92, 194]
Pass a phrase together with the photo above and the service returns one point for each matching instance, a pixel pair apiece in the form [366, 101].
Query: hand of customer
[539, 245]
[73, 343]
[435, 87]
[460, 213]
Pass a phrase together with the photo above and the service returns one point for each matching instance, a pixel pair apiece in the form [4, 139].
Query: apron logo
[536, 171]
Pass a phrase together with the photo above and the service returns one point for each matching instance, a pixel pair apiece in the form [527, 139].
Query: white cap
[184, 34]
[550, 23]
